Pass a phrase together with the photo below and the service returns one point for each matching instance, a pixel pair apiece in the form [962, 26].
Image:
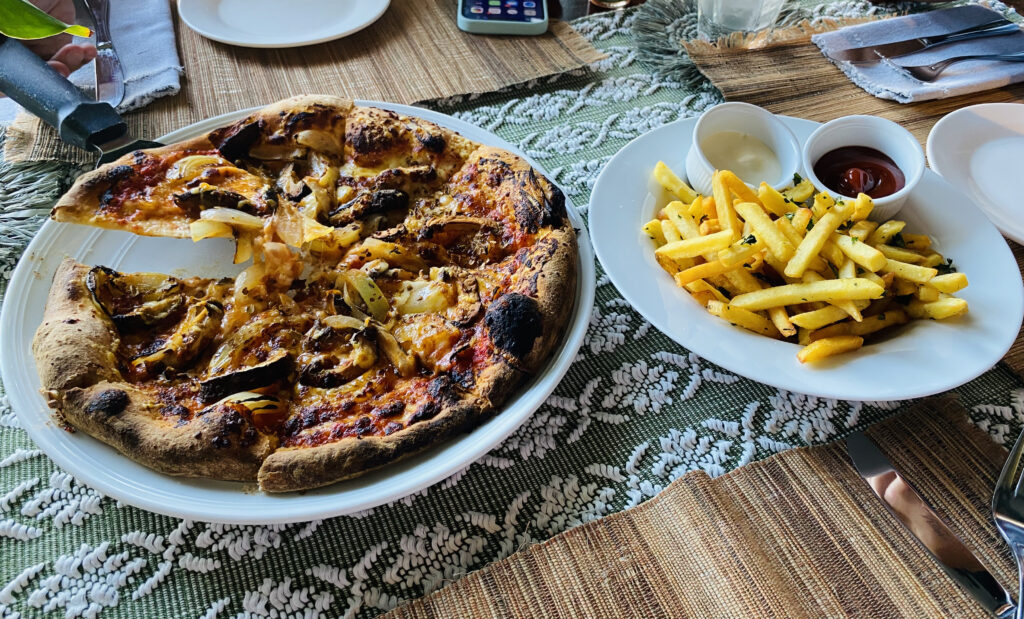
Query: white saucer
[277, 23]
[980, 150]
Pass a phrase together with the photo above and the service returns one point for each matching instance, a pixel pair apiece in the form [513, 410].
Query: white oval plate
[279, 23]
[926, 357]
[108, 471]
[980, 149]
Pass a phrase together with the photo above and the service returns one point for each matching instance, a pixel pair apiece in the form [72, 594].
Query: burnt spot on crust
[116, 174]
[110, 179]
[363, 426]
[231, 422]
[428, 411]
[443, 389]
[176, 410]
[73, 290]
[514, 322]
[306, 418]
[369, 138]
[464, 378]
[435, 143]
[388, 410]
[234, 141]
[110, 402]
[391, 428]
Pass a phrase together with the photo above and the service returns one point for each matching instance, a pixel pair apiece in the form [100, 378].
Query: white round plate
[279, 23]
[108, 471]
[980, 149]
[925, 357]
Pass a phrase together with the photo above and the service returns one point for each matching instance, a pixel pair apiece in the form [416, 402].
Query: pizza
[400, 282]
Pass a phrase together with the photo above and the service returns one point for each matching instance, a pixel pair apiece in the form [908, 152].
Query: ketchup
[858, 169]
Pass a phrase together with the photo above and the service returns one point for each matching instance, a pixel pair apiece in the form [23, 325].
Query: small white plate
[279, 23]
[115, 475]
[925, 357]
[980, 150]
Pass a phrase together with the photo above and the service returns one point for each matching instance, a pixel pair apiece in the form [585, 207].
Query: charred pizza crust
[75, 344]
[139, 425]
[79, 373]
[516, 331]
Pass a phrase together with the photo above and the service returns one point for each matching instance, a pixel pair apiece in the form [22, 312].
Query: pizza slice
[114, 354]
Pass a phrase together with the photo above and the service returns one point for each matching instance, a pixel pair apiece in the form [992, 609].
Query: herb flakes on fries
[798, 265]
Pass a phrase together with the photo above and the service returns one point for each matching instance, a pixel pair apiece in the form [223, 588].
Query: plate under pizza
[204, 499]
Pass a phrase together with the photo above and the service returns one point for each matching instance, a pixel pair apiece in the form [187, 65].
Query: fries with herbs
[799, 265]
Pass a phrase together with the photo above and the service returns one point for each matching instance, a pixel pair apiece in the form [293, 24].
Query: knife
[874, 53]
[904, 502]
[91, 125]
[109, 75]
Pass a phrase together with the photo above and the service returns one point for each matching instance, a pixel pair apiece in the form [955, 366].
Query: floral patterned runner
[635, 411]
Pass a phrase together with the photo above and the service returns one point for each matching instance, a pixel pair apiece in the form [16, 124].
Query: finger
[74, 56]
[60, 67]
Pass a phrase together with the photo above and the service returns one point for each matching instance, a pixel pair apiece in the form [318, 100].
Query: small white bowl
[748, 119]
[873, 132]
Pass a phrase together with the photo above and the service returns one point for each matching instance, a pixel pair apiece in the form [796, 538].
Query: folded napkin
[143, 37]
[799, 534]
[886, 80]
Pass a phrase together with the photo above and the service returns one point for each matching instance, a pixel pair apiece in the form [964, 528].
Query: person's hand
[58, 51]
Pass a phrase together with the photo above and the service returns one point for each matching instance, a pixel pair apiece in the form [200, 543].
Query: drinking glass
[716, 18]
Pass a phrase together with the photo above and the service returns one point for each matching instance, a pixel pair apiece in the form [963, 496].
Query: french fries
[799, 265]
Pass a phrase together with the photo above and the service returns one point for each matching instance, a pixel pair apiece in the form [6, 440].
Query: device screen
[504, 10]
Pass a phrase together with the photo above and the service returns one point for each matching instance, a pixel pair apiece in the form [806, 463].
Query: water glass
[716, 18]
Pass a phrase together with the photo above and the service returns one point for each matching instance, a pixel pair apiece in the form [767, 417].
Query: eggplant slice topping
[195, 332]
[135, 300]
[247, 378]
[352, 352]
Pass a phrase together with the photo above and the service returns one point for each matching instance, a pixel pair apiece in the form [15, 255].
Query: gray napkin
[886, 80]
[143, 36]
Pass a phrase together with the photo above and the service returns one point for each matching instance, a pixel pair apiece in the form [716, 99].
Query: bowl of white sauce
[746, 139]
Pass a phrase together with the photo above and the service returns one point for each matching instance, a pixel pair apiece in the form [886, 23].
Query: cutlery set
[872, 54]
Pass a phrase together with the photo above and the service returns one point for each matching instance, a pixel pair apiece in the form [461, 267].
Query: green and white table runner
[635, 411]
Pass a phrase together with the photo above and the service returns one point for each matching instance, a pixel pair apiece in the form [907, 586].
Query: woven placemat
[796, 535]
[415, 52]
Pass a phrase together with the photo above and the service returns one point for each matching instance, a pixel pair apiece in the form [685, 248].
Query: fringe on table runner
[27, 193]
[661, 26]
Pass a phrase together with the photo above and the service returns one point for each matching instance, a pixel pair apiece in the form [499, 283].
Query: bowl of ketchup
[865, 154]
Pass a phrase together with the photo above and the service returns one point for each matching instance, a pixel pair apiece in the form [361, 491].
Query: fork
[1008, 511]
[930, 72]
